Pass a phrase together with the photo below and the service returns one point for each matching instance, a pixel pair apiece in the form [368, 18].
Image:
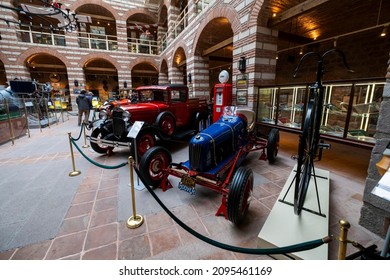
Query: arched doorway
[163, 77]
[100, 33]
[101, 78]
[179, 67]
[142, 34]
[215, 49]
[45, 68]
[144, 74]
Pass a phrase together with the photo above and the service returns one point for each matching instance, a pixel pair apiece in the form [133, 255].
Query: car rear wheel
[240, 195]
[152, 164]
[166, 125]
[273, 145]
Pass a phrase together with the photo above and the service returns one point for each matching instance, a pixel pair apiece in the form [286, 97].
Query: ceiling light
[384, 32]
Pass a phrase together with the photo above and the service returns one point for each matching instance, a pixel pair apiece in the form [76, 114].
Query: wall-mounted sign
[242, 97]
[242, 81]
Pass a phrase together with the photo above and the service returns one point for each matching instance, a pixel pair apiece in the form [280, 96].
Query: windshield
[153, 95]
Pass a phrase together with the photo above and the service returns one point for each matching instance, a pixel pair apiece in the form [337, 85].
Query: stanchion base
[86, 146]
[134, 223]
[74, 173]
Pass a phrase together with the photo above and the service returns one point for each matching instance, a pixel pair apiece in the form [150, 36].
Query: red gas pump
[222, 95]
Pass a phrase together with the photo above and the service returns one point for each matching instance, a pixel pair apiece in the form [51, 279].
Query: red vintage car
[165, 110]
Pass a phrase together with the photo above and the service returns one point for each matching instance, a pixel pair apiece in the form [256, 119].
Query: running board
[183, 134]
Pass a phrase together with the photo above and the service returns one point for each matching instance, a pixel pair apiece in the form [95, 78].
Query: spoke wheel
[308, 144]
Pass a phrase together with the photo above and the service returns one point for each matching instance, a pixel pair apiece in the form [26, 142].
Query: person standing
[84, 105]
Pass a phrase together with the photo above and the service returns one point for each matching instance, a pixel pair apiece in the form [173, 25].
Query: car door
[179, 106]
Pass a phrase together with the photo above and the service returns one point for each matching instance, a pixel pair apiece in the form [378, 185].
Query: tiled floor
[94, 225]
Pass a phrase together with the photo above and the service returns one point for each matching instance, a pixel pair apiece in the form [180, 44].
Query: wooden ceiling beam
[296, 11]
[218, 46]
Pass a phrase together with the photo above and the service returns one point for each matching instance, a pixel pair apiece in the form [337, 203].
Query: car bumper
[109, 143]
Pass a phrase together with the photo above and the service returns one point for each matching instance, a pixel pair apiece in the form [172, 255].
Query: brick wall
[367, 54]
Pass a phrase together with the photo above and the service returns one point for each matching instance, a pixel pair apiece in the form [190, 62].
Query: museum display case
[350, 111]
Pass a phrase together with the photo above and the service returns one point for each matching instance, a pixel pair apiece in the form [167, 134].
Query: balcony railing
[36, 37]
[146, 46]
[110, 42]
[97, 41]
[181, 23]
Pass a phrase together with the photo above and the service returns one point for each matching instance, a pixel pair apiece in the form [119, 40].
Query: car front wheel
[152, 164]
[99, 146]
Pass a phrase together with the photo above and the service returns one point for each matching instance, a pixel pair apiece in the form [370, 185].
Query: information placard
[135, 129]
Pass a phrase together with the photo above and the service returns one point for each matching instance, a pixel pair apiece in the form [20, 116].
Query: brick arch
[257, 12]
[92, 56]
[177, 47]
[101, 3]
[139, 11]
[39, 50]
[139, 60]
[161, 64]
[160, 11]
[221, 10]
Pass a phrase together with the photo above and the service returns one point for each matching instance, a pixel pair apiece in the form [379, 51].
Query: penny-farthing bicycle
[310, 147]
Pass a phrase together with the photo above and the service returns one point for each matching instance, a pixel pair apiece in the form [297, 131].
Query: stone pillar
[162, 78]
[375, 213]
[173, 14]
[200, 76]
[121, 30]
[176, 75]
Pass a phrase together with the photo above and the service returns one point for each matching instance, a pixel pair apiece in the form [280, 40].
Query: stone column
[375, 213]
[200, 76]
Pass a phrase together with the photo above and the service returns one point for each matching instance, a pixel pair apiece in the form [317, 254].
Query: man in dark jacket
[84, 104]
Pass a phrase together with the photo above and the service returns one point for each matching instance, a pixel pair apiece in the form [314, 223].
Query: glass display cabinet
[283, 106]
[350, 109]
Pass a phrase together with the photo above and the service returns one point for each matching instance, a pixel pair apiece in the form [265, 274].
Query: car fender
[97, 123]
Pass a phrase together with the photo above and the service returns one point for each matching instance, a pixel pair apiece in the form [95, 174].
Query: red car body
[166, 110]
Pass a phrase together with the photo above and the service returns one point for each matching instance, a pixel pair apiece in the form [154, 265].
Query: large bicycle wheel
[308, 144]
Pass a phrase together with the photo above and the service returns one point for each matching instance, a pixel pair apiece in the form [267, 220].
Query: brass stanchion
[62, 111]
[344, 226]
[11, 130]
[47, 111]
[26, 114]
[74, 172]
[36, 107]
[135, 220]
[85, 138]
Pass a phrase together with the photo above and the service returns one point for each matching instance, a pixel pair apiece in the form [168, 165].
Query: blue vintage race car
[215, 156]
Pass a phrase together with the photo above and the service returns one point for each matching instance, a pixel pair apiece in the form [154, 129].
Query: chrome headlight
[103, 114]
[126, 116]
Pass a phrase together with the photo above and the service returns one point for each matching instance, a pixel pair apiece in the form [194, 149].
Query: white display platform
[283, 227]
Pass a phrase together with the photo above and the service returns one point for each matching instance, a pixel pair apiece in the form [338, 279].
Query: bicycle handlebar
[321, 58]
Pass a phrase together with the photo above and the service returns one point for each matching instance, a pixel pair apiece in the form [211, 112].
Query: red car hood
[145, 111]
